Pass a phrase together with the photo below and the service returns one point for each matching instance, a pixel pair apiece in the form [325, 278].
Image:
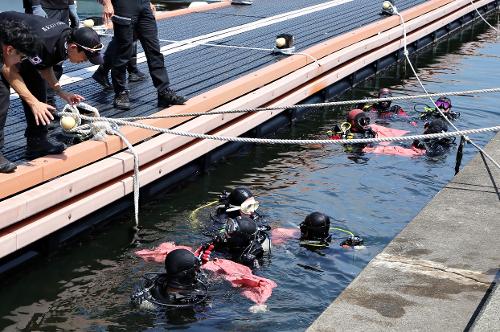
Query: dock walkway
[195, 69]
[437, 273]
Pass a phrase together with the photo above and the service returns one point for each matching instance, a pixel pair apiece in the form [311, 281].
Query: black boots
[122, 101]
[168, 98]
[101, 77]
[6, 166]
[136, 76]
[39, 146]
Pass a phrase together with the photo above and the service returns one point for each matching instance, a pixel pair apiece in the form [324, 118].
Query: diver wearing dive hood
[315, 232]
[356, 126]
[179, 287]
[384, 108]
[241, 238]
[444, 104]
[437, 146]
[239, 202]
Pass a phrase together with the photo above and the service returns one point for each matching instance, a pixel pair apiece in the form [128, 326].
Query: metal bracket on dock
[241, 2]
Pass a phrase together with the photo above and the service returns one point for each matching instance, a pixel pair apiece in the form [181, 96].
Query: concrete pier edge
[440, 272]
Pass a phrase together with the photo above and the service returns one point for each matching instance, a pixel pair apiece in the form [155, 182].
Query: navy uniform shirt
[51, 35]
[51, 4]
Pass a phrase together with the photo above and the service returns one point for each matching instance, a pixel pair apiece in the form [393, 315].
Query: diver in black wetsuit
[179, 287]
[437, 146]
[384, 108]
[239, 202]
[242, 239]
[444, 104]
[315, 233]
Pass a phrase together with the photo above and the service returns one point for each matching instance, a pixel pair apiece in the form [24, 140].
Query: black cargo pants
[135, 16]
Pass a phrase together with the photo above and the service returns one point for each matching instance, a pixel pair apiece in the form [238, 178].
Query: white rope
[271, 50]
[327, 104]
[98, 130]
[406, 53]
[285, 141]
[135, 177]
[485, 21]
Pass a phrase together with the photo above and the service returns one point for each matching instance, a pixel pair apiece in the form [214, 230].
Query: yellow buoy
[386, 5]
[280, 42]
[88, 23]
[68, 122]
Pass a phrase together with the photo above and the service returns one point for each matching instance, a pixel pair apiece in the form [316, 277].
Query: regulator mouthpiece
[284, 44]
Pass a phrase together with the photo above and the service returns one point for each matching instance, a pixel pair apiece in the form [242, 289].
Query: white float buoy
[280, 42]
[89, 23]
[68, 122]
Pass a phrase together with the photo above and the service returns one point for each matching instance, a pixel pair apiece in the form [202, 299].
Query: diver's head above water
[384, 105]
[240, 201]
[360, 122]
[315, 227]
[182, 267]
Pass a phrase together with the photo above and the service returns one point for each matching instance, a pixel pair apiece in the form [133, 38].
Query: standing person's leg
[38, 144]
[73, 15]
[5, 165]
[148, 35]
[123, 34]
[134, 74]
[101, 74]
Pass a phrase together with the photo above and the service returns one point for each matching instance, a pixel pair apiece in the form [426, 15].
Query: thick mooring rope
[316, 105]
[280, 141]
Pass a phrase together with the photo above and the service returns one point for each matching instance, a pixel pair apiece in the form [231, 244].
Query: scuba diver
[444, 104]
[239, 202]
[179, 287]
[436, 146]
[242, 239]
[356, 126]
[384, 108]
[315, 232]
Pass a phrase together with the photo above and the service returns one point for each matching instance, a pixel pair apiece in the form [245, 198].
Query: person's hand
[42, 112]
[153, 8]
[108, 11]
[71, 98]
[38, 10]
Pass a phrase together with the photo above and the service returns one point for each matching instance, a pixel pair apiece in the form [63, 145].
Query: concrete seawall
[440, 270]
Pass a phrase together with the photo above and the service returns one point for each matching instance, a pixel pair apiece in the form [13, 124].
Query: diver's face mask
[443, 105]
[248, 207]
[384, 105]
[363, 122]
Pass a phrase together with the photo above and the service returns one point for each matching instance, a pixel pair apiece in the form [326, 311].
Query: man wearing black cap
[136, 17]
[16, 42]
[56, 43]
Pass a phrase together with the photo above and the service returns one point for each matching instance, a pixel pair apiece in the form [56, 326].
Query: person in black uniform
[101, 74]
[57, 42]
[137, 17]
[16, 42]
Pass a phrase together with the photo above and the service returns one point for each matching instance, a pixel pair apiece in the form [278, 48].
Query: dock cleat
[284, 44]
[241, 2]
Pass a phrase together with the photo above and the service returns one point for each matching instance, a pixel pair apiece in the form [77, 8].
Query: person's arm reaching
[49, 76]
[41, 111]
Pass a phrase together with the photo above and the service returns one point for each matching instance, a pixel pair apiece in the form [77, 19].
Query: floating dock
[338, 44]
